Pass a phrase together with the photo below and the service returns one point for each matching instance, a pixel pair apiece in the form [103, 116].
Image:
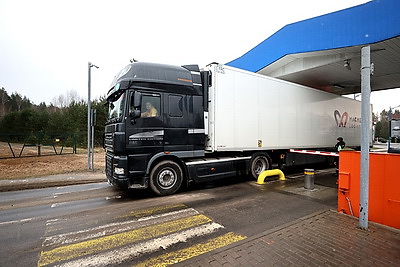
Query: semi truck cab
[155, 120]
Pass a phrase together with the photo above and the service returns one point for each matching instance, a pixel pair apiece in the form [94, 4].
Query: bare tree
[63, 101]
[4, 101]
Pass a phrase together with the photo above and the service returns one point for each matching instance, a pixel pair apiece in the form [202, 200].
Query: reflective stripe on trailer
[313, 152]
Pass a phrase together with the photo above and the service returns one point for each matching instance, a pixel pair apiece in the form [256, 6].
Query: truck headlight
[119, 171]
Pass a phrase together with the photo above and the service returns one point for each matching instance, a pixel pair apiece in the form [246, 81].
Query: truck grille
[108, 141]
[109, 165]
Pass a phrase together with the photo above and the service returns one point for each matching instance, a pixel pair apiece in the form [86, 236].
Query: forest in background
[66, 118]
[67, 114]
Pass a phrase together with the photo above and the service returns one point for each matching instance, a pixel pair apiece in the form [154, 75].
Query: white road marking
[17, 221]
[120, 255]
[113, 228]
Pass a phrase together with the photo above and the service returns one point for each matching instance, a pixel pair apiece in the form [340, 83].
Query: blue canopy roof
[368, 23]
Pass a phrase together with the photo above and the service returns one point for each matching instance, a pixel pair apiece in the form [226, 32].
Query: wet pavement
[52, 181]
[323, 238]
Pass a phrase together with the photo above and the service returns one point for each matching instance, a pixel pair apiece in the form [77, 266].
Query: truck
[170, 126]
[395, 127]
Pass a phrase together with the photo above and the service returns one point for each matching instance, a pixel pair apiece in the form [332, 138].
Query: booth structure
[325, 53]
[384, 189]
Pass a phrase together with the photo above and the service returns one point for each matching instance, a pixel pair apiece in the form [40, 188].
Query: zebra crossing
[158, 236]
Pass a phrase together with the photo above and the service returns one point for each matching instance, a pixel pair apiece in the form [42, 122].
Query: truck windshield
[116, 107]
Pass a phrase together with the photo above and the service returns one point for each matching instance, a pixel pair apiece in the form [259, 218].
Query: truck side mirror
[135, 113]
[137, 100]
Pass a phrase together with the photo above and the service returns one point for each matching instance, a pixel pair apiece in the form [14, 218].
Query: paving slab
[325, 238]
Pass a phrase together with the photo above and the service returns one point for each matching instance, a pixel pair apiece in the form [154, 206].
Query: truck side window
[175, 106]
[150, 106]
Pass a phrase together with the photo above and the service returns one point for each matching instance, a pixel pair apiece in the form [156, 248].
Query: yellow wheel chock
[264, 174]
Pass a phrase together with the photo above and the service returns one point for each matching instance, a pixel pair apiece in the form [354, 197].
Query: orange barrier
[384, 187]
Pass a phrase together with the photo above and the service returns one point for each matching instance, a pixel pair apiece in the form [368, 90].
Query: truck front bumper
[116, 170]
[118, 173]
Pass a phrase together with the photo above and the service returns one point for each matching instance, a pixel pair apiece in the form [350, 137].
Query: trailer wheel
[258, 164]
[166, 178]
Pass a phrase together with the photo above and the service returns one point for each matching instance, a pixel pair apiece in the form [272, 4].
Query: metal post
[93, 123]
[309, 179]
[88, 117]
[365, 134]
[92, 163]
[389, 128]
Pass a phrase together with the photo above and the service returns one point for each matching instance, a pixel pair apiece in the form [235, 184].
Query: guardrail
[39, 144]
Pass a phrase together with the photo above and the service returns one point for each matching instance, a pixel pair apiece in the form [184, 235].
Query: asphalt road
[98, 224]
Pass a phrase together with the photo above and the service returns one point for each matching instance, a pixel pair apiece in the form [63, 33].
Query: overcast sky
[45, 46]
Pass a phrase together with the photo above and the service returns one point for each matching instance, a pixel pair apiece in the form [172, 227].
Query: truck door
[176, 122]
[145, 133]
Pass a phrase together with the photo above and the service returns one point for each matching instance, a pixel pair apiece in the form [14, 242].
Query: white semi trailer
[248, 111]
[171, 125]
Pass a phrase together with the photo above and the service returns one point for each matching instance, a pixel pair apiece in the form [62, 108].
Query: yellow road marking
[120, 239]
[150, 211]
[193, 251]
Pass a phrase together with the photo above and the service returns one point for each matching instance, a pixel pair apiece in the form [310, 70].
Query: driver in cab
[150, 111]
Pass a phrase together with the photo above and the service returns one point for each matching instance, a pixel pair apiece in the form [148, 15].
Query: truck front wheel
[166, 178]
[258, 164]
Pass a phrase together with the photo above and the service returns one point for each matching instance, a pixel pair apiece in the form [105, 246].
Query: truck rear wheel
[166, 178]
[258, 164]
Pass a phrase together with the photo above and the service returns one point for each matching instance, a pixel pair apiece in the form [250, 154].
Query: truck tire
[166, 178]
[258, 164]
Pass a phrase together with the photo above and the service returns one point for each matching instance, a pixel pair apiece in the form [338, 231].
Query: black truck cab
[155, 120]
